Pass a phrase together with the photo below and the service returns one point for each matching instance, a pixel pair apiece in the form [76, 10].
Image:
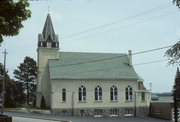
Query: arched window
[113, 93]
[98, 93]
[64, 95]
[129, 93]
[82, 93]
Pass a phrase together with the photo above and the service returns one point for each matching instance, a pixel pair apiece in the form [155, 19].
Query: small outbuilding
[163, 110]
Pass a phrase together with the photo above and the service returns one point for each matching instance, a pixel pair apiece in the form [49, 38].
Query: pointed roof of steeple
[48, 30]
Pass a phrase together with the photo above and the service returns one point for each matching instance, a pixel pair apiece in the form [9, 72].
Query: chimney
[130, 57]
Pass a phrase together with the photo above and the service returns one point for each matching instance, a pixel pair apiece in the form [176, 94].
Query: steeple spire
[48, 31]
[48, 38]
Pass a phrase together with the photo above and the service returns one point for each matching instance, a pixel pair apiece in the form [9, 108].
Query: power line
[152, 50]
[158, 61]
[102, 69]
[144, 63]
[93, 61]
[117, 21]
[122, 27]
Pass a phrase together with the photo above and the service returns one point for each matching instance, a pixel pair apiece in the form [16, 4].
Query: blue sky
[158, 27]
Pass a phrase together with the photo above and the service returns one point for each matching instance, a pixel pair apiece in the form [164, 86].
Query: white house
[87, 84]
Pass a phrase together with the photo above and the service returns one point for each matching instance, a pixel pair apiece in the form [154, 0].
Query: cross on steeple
[48, 9]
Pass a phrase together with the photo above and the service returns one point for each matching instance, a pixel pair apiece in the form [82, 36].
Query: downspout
[72, 105]
[135, 106]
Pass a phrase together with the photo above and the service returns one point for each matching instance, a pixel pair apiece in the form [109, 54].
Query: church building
[85, 83]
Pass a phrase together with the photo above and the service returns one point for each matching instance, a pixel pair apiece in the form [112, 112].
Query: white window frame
[98, 113]
[129, 93]
[113, 91]
[129, 112]
[97, 92]
[82, 112]
[113, 112]
[143, 96]
[63, 92]
[82, 91]
[49, 44]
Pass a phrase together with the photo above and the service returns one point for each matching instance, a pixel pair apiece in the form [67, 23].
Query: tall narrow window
[82, 93]
[98, 93]
[113, 93]
[129, 93]
[142, 96]
[64, 95]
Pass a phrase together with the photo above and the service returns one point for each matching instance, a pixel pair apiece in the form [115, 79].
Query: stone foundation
[121, 112]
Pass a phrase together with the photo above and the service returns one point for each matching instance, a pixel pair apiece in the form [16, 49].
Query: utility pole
[150, 84]
[150, 87]
[4, 79]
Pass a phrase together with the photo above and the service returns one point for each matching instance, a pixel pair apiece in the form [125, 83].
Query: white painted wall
[72, 87]
[44, 86]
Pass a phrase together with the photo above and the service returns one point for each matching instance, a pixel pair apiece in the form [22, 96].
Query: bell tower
[47, 48]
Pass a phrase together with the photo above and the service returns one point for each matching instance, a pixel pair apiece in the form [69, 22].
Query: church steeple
[48, 38]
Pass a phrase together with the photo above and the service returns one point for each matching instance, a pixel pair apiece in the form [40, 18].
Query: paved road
[79, 119]
[24, 119]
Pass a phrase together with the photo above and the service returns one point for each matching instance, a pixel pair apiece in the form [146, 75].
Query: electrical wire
[104, 59]
[146, 51]
[122, 27]
[144, 63]
[158, 61]
[118, 21]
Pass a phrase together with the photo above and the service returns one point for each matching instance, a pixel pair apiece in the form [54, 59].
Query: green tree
[173, 54]
[177, 2]
[13, 90]
[12, 14]
[18, 93]
[176, 94]
[27, 74]
[8, 99]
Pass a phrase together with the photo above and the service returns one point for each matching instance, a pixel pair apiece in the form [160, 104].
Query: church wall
[72, 94]
[44, 86]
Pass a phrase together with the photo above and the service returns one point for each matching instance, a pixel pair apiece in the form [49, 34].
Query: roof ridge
[93, 52]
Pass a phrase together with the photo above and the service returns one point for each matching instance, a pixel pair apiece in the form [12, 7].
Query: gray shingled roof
[115, 68]
[48, 30]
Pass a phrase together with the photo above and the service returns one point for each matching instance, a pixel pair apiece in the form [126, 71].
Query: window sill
[82, 101]
[97, 115]
[113, 115]
[63, 101]
[114, 100]
[143, 100]
[100, 101]
[129, 101]
[128, 115]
